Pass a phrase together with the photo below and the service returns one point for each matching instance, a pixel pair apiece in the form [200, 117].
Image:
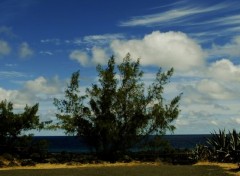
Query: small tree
[12, 125]
[118, 112]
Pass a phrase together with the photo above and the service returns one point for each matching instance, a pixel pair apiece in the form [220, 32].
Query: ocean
[78, 145]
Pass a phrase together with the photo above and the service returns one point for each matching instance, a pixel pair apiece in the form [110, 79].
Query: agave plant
[200, 152]
[234, 140]
[225, 147]
[234, 145]
[219, 146]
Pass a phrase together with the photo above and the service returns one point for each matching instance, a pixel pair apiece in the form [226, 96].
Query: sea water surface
[78, 145]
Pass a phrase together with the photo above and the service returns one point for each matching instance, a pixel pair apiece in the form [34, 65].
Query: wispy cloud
[176, 15]
[204, 22]
[228, 49]
[7, 31]
[54, 41]
[12, 74]
[4, 48]
[10, 65]
[25, 51]
[9, 9]
[89, 40]
[102, 39]
[49, 53]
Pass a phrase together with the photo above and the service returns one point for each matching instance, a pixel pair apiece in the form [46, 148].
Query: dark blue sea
[78, 145]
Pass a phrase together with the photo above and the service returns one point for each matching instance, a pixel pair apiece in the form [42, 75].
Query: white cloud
[210, 91]
[99, 56]
[102, 39]
[11, 74]
[214, 122]
[229, 49]
[7, 31]
[7, 94]
[4, 48]
[79, 56]
[237, 120]
[180, 122]
[10, 65]
[224, 70]
[39, 90]
[176, 15]
[54, 41]
[19, 98]
[214, 90]
[25, 51]
[212, 99]
[43, 86]
[49, 53]
[170, 49]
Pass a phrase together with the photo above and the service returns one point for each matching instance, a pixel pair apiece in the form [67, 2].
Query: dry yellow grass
[229, 167]
[124, 169]
[76, 165]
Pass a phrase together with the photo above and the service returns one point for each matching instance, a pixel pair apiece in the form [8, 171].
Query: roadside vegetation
[118, 111]
[114, 115]
[221, 147]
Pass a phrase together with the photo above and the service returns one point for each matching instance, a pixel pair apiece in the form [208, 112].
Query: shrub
[126, 159]
[2, 164]
[28, 162]
[52, 160]
[8, 157]
[13, 164]
[200, 153]
[224, 147]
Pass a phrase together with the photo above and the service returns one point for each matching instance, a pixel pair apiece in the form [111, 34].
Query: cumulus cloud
[79, 56]
[211, 99]
[39, 90]
[25, 51]
[210, 91]
[99, 56]
[44, 86]
[229, 49]
[225, 70]
[4, 48]
[5, 94]
[170, 49]
[19, 98]
[214, 90]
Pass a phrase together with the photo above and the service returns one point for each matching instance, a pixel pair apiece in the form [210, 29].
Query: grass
[133, 169]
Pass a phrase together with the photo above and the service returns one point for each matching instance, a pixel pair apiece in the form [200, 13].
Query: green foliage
[200, 153]
[158, 145]
[12, 125]
[219, 146]
[222, 147]
[118, 111]
[71, 107]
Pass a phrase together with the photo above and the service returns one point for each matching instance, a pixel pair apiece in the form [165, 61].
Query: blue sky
[42, 42]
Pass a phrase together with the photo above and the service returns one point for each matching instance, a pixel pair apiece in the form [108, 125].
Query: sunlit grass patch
[123, 169]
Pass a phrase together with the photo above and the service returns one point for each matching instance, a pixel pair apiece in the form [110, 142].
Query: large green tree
[119, 110]
[13, 124]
